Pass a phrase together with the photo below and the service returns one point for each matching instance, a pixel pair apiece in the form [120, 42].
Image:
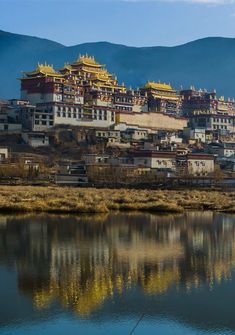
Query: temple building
[78, 94]
[130, 101]
[207, 111]
[42, 85]
[82, 93]
[70, 84]
[92, 75]
[201, 102]
[162, 98]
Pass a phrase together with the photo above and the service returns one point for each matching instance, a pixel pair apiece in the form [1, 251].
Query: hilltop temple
[84, 93]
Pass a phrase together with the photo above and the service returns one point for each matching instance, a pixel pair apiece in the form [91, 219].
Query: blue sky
[130, 22]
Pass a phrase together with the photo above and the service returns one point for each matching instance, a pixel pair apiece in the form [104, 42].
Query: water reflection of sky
[58, 326]
[100, 274]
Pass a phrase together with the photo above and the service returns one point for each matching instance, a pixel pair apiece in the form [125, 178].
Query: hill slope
[208, 62]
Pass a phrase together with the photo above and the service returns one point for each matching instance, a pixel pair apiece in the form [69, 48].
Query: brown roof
[170, 154]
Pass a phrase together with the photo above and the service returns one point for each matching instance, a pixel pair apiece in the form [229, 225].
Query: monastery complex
[90, 124]
[84, 93]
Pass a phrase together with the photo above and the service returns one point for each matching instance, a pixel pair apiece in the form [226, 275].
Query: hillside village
[78, 125]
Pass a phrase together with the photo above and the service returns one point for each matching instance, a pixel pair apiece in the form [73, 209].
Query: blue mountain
[205, 63]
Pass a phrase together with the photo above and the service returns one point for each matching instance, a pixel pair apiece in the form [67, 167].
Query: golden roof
[45, 69]
[103, 76]
[158, 86]
[66, 67]
[87, 60]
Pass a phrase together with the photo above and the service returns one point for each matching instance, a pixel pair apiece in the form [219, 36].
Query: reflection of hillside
[158, 283]
[81, 298]
[81, 263]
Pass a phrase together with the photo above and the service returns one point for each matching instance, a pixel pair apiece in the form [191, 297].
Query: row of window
[99, 117]
[103, 116]
[96, 115]
[100, 112]
[124, 108]
[202, 120]
[69, 109]
[69, 89]
[68, 96]
[123, 100]
[43, 116]
[173, 163]
[165, 162]
[106, 134]
[46, 110]
[44, 123]
[222, 120]
[197, 163]
[220, 127]
[70, 115]
[162, 162]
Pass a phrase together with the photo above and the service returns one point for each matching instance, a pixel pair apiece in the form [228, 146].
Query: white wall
[155, 163]
[4, 154]
[197, 166]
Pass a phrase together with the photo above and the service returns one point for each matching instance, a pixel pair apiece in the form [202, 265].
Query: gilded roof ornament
[45, 68]
[86, 59]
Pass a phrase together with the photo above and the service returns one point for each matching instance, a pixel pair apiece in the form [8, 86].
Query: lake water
[117, 274]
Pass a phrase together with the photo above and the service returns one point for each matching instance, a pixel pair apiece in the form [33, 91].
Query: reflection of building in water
[81, 263]
[3, 221]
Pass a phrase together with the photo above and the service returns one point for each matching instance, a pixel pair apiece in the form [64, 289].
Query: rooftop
[87, 60]
[45, 69]
[159, 86]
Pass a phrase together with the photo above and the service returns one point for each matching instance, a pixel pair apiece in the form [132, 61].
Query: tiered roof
[95, 74]
[43, 70]
[88, 61]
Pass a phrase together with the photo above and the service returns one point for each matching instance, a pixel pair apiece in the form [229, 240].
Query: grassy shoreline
[24, 199]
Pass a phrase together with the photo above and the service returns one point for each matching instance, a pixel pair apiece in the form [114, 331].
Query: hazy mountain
[208, 62]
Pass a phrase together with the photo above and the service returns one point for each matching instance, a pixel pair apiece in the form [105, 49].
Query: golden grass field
[91, 200]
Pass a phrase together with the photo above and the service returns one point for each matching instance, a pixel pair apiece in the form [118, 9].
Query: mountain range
[205, 63]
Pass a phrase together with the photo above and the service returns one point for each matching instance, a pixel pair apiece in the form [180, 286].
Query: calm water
[107, 274]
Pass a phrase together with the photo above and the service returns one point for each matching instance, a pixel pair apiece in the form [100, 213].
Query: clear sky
[130, 22]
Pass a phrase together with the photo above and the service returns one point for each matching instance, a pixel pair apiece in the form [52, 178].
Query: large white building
[190, 164]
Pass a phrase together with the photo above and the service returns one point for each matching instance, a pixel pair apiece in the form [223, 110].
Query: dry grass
[90, 200]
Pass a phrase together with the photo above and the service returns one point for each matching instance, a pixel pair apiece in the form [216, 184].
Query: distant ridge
[206, 63]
